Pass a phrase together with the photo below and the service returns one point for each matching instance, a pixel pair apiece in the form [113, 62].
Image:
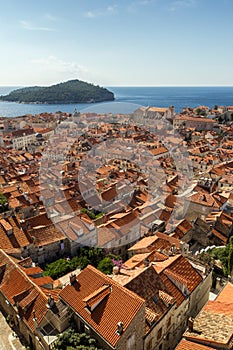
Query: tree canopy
[85, 256]
[106, 265]
[3, 203]
[70, 340]
[225, 255]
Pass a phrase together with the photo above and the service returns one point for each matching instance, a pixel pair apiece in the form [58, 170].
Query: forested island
[72, 91]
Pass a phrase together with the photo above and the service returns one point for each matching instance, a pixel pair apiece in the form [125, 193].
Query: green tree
[57, 268]
[106, 265]
[230, 257]
[225, 255]
[85, 256]
[94, 255]
[92, 214]
[83, 262]
[73, 91]
[3, 203]
[200, 111]
[70, 340]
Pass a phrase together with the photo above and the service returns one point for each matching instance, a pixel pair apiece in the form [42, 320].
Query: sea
[127, 99]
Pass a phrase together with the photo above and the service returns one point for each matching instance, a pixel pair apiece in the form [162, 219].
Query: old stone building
[30, 302]
[110, 313]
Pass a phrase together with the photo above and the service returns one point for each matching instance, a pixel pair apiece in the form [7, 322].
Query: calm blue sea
[128, 99]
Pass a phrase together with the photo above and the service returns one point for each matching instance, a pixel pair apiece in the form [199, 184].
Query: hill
[72, 91]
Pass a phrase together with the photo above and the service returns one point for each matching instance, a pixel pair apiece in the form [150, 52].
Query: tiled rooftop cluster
[157, 287]
[214, 324]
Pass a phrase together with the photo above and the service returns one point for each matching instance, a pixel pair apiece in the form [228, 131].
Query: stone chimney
[72, 278]
[218, 284]
[190, 324]
[51, 301]
[120, 328]
[34, 318]
[146, 262]
[115, 270]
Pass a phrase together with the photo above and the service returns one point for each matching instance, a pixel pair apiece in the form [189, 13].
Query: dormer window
[7, 227]
[95, 298]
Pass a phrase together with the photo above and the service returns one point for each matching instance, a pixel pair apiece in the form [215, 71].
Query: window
[160, 346]
[82, 327]
[159, 335]
[149, 345]
[169, 322]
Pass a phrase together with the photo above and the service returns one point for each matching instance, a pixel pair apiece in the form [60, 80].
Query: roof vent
[120, 328]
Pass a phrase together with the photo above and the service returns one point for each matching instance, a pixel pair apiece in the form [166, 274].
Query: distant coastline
[128, 98]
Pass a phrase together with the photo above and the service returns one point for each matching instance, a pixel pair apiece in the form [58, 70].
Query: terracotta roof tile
[204, 199]
[219, 235]
[147, 285]
[179, 269]
[46, 235]
[120, 305]
[97, 295]
[12, 236]
[144, 243]
[173, 289]
[188, 345]
[17, 287]
[226, 294]
[214, 324]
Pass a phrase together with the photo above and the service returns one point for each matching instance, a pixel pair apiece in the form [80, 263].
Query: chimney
[51, 302]
[190, 324]
[120, 328]
[72, 279]
[172, 110]
[146, 262]
[28, 225]
[218, 284]
[34, 318]
[115, 270]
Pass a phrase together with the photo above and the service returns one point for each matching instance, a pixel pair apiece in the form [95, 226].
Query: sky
[117, 42]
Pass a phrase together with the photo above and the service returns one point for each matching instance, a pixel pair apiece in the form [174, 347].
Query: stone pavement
[8, 341]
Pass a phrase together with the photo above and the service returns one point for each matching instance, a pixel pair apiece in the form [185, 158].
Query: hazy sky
[121, 42]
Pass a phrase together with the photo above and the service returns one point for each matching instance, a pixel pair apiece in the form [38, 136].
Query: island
[72, 91]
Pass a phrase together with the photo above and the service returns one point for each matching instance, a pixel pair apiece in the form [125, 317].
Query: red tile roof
[148, 285]
[17, 287]
[188, 345]
[120, 305]
[46, 235]
[11, 235]
[214, 324]
[204, 199]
